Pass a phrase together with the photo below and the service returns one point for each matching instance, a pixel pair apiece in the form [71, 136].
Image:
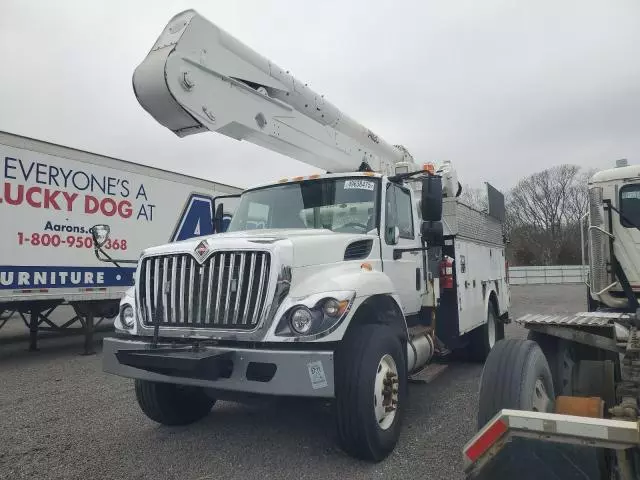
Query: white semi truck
[564, 402]
[50, 196]
[338, 285]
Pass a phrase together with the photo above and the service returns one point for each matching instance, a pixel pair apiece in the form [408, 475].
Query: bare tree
[543, 215]
[542, 198]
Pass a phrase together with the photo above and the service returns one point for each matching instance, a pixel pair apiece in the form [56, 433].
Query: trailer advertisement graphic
[46, 277]
[40, 185]
[49, 202]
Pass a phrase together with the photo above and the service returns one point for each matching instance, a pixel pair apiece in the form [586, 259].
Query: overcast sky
[501, 88]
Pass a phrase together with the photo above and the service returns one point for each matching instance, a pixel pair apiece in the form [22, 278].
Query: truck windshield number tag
[359, 185]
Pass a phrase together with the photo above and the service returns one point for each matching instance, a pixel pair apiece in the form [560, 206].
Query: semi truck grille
[598, 242]
[228, 290]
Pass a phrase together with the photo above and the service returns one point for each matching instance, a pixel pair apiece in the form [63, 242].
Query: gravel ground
[61, 417]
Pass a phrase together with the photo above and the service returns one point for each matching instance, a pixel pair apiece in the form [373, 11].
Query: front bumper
[243, 370]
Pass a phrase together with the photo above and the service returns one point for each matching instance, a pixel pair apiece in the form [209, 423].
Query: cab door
[406, 271]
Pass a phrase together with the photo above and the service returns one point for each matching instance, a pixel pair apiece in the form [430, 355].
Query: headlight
[126, 316]
[301, 320]
[314, 315]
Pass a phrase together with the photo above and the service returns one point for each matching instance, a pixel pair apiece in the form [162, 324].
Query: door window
[630, 206]
[399, 212]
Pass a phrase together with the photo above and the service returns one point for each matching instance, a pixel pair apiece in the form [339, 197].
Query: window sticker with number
[359, 185]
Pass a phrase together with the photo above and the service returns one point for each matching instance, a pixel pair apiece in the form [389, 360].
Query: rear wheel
[516, 375]
[371, 389]
[561, 359]
[485, 337]
[171, 404]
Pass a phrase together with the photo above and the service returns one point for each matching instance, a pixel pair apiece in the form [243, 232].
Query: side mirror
[392, 235]
[218, 218]
[431, 201]
[432, 234]
[100, 234]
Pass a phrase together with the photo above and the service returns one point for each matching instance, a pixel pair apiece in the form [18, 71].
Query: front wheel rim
[385, 394]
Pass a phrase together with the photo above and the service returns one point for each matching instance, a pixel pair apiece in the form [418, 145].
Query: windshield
[347, 205]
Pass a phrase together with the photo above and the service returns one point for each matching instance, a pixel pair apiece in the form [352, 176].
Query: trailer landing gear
[86, 313]
[36, 317]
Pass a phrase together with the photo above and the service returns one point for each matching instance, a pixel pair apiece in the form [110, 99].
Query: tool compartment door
[472, 267]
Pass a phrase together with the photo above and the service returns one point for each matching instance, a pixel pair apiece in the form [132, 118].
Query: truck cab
[333, 232]
[614, 237]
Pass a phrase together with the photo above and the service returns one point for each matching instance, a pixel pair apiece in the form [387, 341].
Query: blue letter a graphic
[196, 219]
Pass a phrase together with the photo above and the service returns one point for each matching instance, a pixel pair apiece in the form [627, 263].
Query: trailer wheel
[171, 404]
[561, 360]
[516, 375]
[484, 338]
[371, 391]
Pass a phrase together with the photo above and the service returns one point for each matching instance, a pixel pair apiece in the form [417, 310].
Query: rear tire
[561, 360]
[371, 374]
[516, 375]
[484, 338]
[171, 404]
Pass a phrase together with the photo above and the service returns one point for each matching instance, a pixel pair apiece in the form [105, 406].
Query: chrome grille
[227, 291]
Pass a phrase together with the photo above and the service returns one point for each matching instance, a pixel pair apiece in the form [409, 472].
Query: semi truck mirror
[100, 234]
[432, 234]
[431, 202]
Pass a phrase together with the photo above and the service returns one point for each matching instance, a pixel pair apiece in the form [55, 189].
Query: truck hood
[308, 246]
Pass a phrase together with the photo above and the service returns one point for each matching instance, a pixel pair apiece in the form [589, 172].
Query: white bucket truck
[338, 285]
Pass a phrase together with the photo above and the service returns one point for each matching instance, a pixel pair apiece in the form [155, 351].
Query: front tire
[171, 404]
[371, 391]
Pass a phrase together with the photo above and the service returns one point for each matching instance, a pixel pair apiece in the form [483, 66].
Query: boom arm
[197, 77]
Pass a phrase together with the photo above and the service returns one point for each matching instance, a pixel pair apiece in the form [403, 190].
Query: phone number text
[70, 241]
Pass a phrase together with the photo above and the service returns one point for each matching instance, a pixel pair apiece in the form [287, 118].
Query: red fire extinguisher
[446, 272]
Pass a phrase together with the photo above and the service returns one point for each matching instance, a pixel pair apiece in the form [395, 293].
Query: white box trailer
[51, 195]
